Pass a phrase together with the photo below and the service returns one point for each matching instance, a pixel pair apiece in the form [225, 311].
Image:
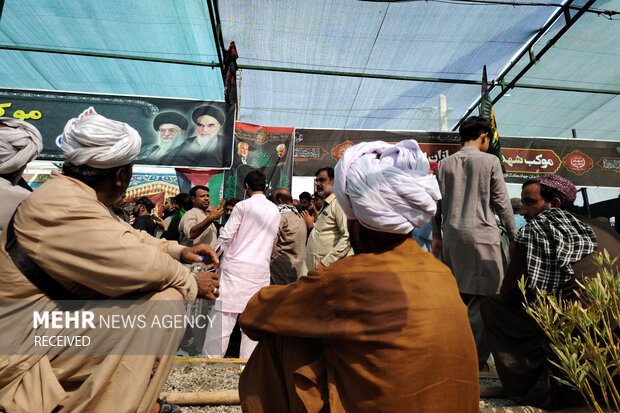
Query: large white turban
[20, 143]
[386, 187]
[99, 142]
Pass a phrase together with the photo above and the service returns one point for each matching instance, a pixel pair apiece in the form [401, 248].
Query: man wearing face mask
[329, 240]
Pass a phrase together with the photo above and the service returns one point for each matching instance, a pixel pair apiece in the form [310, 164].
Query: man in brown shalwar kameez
[66, 229]
[289, 247]
[382, 331]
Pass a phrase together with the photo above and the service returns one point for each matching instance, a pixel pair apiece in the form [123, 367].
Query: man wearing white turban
[382, 331]
[20, 143]
[64, 244]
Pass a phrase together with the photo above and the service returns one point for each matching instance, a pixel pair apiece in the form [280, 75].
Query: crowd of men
[338, 305]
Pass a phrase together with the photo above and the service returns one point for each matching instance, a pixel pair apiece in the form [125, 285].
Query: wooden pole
[231, 397]
[228, 397]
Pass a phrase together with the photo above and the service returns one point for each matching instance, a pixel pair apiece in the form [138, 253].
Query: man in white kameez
[247, 242]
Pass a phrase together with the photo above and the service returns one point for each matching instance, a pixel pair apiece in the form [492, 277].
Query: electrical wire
[608, 14]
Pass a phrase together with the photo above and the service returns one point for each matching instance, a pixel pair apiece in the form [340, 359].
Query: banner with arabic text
[584, 162]
[174, 132]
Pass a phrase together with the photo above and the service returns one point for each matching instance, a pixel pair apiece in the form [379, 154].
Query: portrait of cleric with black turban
[206, 147]
[170, 129]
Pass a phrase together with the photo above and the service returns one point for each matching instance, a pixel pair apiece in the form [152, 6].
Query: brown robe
[520, 349]
[72, 236]
[289, 249]
[370, 333]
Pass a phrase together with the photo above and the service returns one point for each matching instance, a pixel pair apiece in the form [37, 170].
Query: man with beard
[82, 252]
[163, 222]
[207, 147]
[182, 203]
[171, 128]
[243, 152]
[329, 240]
[142, 212]
[198, 224]
[554, 251]
[281, 152]
[304, 199]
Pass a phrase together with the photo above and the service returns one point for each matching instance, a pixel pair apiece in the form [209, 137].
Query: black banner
[584, 162]
[175, 132]
[267, 149]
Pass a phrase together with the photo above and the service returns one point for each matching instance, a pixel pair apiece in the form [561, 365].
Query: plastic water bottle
[198, 266]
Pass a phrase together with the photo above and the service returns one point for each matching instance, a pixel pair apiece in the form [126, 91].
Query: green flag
[486, 111]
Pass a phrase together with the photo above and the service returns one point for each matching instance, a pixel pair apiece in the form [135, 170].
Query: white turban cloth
[20, 143]
[386, 187]
[99, 142]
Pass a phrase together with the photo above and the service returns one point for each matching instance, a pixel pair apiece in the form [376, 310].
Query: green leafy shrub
[583, 333]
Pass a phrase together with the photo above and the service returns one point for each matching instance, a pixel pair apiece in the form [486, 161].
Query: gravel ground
[203, 377]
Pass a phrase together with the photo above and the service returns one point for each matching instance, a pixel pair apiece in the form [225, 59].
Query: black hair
[184, 201]
[473, 127]
[255, 180]
[548, 193]
[192, 192]
[329, 170]
[305, 195]
[146, 202]
[89, 175]
[231, 202]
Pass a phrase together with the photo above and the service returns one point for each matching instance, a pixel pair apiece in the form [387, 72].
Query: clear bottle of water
[198, 266]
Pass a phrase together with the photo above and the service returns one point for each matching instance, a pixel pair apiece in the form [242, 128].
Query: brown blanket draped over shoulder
[371, 333]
